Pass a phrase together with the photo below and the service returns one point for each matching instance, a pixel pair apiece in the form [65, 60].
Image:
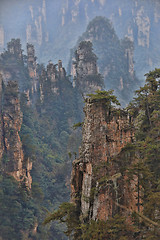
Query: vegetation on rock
[115, 57]
[46, 136]
[141, 161]
[50, 105]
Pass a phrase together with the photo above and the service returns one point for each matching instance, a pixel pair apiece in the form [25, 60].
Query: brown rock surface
[98, 186]
[11, 151]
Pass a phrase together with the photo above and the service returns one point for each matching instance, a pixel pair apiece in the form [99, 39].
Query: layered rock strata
[98, 185]
[11, 152]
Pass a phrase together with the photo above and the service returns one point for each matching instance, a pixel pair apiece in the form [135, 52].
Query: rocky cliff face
[98, 185]
[41, 87]
[84, 69]
[11, 151]
[43, 134]
[50, 80]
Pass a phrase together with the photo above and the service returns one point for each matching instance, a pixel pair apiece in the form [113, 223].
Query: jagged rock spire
[86, 76]
[31, 60]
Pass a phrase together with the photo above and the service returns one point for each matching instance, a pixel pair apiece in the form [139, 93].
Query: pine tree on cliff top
[145, 109]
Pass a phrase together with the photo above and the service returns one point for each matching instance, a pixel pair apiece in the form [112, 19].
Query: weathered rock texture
[11, 152]
[31, 60]
[98, 185]
[85, 72]
[51, 79]
[32, 70]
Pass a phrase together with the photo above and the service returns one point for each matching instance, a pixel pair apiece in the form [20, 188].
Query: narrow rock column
[86, 76]
[97, 183]
[13, 157]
